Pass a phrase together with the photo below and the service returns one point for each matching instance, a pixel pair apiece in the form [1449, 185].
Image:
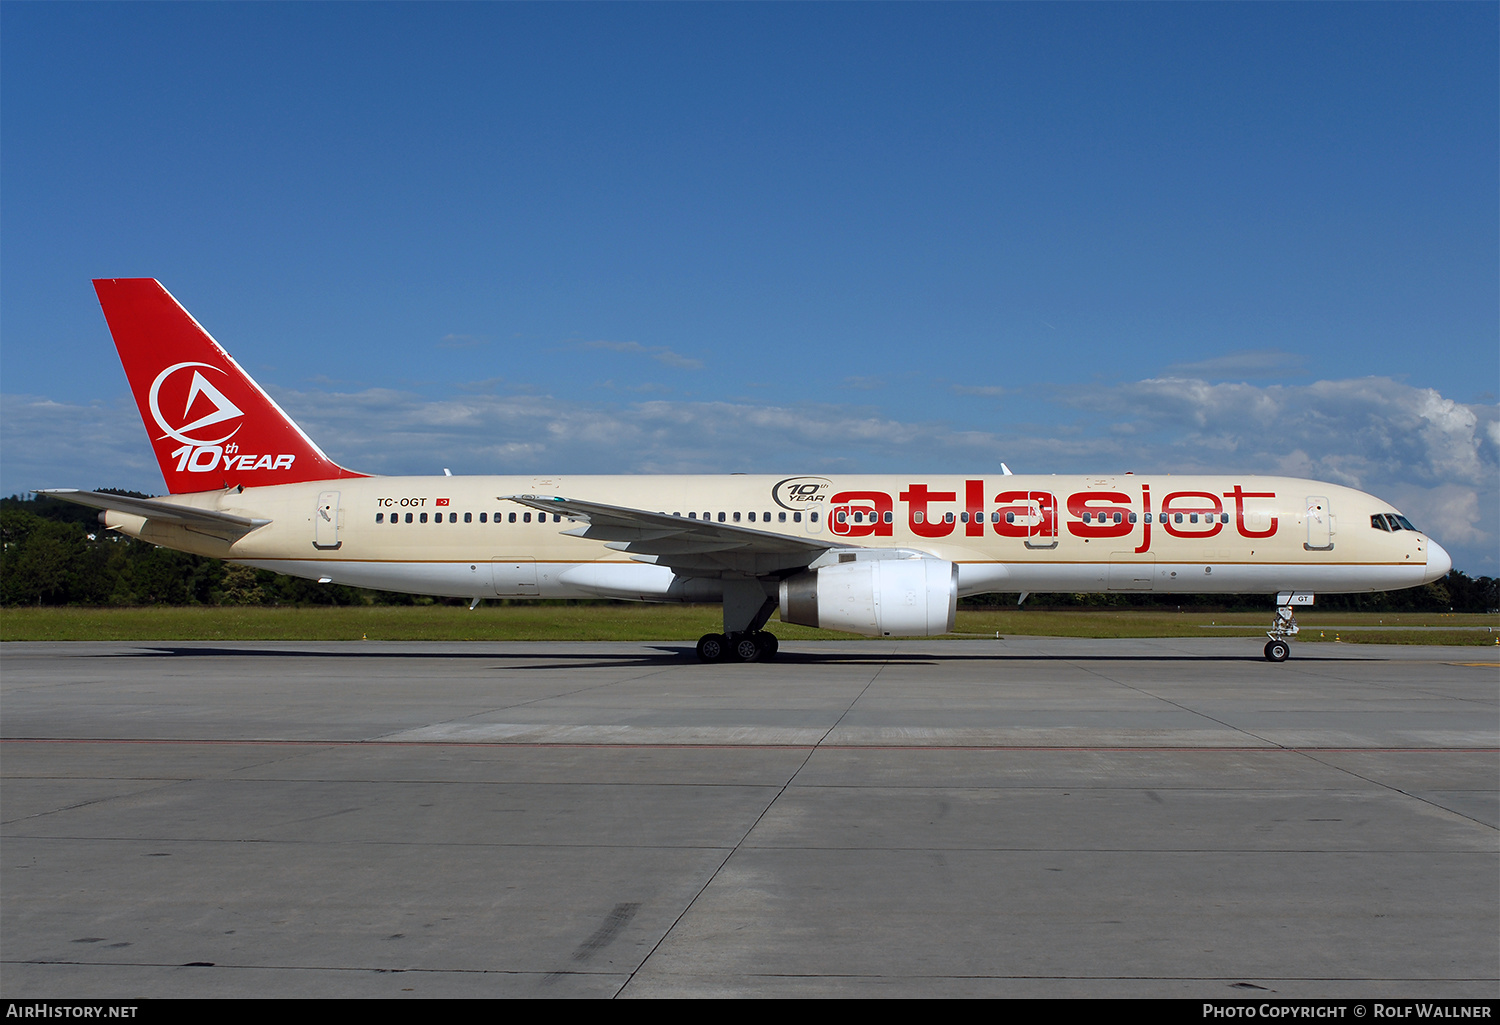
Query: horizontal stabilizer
[207, 520]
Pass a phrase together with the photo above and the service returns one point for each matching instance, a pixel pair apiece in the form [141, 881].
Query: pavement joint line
[746, 835]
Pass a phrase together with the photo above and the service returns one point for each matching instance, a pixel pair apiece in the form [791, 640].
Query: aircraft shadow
[674, 654]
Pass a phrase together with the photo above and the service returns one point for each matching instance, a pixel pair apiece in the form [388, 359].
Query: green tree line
[58, 553]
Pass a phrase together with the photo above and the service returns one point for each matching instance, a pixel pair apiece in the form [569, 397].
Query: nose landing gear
[1284, 626]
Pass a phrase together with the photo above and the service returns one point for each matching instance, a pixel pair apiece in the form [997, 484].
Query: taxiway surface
[1028, 817]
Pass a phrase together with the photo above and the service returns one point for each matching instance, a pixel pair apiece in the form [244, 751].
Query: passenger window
[842, 517]
[889, 518]
[692, 516]
[1010, 517]
[526, 517]
[423, 518]
[736, 517]
[453, 517]
[380, 517]
[511, 517]
[918, 516]
[812, 517]
[469, 517]
[752, 517]
[796, 517]
[408, 517]
[1132, 517]
[781, 517]
[721, 517]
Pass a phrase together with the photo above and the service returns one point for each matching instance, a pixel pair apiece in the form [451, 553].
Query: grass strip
[563, 622]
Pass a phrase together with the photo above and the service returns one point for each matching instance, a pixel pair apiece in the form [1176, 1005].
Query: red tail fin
[210, 425]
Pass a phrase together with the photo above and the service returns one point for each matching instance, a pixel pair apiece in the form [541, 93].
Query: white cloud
[49, 444]
[1434, 458]
[1249, 365]
[1357, 429]
[660, 353]
[1449, 512]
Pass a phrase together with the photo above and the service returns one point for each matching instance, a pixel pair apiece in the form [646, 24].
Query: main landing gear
[750, 646]
[748, 604]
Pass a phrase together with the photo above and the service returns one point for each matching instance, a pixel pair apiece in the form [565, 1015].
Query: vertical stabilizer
[210, 424]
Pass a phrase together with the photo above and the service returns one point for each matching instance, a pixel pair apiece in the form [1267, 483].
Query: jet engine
[876, 597]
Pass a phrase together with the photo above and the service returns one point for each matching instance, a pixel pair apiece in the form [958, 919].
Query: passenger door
[326, 522]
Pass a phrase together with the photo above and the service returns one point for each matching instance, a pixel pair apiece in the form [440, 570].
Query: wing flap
[691, 546]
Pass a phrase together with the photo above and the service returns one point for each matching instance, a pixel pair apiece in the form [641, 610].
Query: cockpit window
[1377, 520]
[1405, 523]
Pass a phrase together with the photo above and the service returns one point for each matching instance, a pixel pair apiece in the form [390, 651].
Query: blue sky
[776, 237]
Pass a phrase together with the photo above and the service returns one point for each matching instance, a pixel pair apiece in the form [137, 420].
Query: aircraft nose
[1439, 562]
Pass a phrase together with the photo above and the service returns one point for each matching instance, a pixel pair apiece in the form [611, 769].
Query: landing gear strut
[1283, 629]
[747, 607]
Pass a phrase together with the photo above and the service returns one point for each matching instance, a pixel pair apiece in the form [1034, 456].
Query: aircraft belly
[443, 579]
[633, 581]
[1183, 577]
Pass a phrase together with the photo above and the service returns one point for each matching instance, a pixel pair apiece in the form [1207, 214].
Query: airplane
[877, 555]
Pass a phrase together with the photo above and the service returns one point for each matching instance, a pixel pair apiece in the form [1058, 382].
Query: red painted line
[1272, 748]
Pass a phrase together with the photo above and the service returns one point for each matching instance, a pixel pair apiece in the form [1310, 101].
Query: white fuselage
[461, 537]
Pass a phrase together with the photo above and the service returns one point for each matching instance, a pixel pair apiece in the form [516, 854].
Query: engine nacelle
[877, 598]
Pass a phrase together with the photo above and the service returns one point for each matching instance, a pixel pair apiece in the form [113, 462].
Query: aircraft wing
[688, 546]
[208, 521]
